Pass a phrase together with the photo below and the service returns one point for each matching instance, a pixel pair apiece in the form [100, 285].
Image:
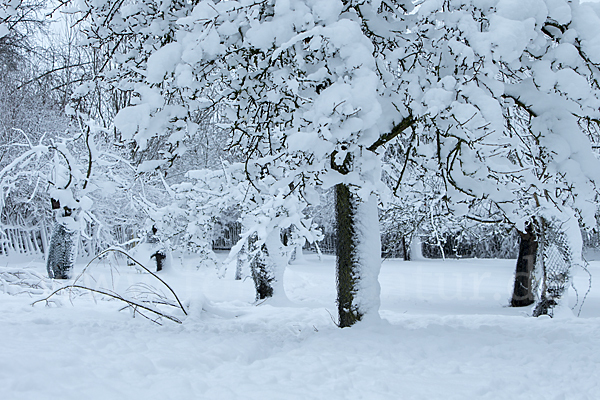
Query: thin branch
[484, 221]
[90, 156]
[37, 78]
[109, 294]
[396, 130]
[521, 104]
[117, 250]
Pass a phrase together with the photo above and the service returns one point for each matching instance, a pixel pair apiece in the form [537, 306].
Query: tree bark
[262, 274]
[358, 260]
[241, 260]
[523, 292]
[267, 267]
[62, 249]
[405, 253]
[345, 249]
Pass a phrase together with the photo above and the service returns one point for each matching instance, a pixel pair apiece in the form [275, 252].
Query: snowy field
[445, 333]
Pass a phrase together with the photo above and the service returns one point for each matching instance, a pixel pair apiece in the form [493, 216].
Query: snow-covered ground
[445, 333]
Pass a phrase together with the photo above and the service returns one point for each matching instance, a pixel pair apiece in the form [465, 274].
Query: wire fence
[554, 263]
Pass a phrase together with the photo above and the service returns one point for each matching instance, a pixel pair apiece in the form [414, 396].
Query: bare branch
[396, 130]
[131, 303]
[117, 250]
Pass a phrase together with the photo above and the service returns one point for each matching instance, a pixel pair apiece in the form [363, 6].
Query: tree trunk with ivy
[62, 249]
[345, 251]
[267, 266]
[358, 256]
[261, 268]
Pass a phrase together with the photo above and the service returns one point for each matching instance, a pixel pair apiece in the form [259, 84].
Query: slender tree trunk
[523, 291]
[241, 261]
[405, 252]
[358, 254]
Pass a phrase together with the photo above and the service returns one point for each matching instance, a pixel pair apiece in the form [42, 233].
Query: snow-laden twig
[23, 281]
[120, 251]
[141, 296]
[131, 303]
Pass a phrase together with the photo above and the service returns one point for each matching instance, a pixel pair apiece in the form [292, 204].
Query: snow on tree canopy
[496, 96]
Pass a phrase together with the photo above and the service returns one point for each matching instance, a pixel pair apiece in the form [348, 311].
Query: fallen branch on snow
[151, 296]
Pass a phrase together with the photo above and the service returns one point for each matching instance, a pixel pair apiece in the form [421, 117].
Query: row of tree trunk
[350, 275]
[351, 265]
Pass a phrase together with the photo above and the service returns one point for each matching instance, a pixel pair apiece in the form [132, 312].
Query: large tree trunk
[358, 254]
[523, 291]
[62, 249]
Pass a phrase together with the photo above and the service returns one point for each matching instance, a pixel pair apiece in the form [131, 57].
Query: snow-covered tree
[517, 89]
[271, 85]
[314, 90]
